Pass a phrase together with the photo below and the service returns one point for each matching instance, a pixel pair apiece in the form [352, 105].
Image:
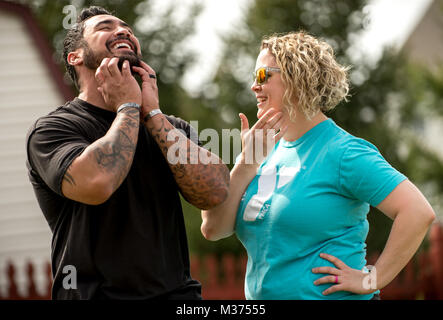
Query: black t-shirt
[134, 245]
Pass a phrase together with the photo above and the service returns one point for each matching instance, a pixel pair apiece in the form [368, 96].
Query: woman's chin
[260, 113]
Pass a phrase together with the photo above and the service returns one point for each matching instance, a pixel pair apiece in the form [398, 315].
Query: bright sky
[391, 21]
[218, 18]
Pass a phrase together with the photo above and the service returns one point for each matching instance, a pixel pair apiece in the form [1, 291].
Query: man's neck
[90, 94]
[94, 98]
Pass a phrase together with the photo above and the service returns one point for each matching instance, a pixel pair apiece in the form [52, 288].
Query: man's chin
[133, 62]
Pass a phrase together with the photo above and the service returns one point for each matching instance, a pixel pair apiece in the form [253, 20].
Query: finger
[323, 280]
[332, 289]
[264, 128]
[244, 123]
[326, 270]
[274, 119]
[337, 262]
[113, 67]
[99, 77]
[280, 134]
[273, 125]
[148, 68]
[270, 132]
[125, 69]
[279, 124]
[143, 73]
[261, 122]
[103, 68]
[105, 62]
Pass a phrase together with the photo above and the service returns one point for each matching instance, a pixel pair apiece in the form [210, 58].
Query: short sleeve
[365, 175]
[51, 148]
[190, 131]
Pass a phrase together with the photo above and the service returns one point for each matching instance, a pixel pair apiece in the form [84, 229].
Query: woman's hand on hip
[344, 278]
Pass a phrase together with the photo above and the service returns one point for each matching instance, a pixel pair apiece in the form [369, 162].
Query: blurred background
[204, 53]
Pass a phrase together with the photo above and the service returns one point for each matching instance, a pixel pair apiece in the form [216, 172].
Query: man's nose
[121, 31]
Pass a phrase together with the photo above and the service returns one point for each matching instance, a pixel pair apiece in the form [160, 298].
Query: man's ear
[75, 58]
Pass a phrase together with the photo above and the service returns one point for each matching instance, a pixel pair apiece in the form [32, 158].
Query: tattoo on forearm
[198, 182]
[115, 155]
[69, 178]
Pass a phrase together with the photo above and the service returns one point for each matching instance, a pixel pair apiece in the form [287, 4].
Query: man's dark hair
[74, 37]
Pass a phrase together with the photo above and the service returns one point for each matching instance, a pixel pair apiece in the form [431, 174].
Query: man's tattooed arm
[94, 175]
[203, 185]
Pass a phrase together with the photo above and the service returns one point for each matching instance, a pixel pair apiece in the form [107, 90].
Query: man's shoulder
[178, 122]
[59, 116]
[184, 126]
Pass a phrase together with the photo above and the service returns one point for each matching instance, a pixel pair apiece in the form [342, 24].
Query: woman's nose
[255, 87]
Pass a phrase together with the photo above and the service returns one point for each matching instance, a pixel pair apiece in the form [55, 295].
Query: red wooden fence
[220, 279]
[422, 278]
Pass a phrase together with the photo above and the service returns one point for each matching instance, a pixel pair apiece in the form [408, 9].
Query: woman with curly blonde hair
[301, 211]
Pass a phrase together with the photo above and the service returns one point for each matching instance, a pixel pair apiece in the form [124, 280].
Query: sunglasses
[261, 75]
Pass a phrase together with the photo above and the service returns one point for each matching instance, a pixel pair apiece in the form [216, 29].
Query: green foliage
[387, 107]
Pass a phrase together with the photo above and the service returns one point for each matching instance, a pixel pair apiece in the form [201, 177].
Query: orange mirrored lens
[261, 75]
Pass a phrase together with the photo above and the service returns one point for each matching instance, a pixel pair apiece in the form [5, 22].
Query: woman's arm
[412, 215]
[219, 222]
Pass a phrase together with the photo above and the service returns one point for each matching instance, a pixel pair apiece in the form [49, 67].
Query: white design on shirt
[286, 174]
[257, 206]
[266, 185]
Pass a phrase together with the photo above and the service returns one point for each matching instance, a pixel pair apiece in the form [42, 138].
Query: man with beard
[100, 173]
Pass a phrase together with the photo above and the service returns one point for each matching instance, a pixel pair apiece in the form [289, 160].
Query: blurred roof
[425, 43]
[41, 43]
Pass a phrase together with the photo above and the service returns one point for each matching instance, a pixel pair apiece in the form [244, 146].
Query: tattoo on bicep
[196, 181]
[69, 178]
[199, 183]
[115, 154]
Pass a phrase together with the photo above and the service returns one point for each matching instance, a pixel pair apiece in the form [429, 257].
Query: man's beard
[92, 60]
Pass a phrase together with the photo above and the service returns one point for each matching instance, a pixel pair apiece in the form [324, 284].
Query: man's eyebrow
[110, 21]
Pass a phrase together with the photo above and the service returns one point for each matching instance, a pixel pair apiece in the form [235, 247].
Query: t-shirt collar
[94, 109]
[311, 132]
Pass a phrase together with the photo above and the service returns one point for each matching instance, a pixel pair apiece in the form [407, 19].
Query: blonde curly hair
[314, 80]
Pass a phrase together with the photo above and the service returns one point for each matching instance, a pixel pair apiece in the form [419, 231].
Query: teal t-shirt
[310, 196]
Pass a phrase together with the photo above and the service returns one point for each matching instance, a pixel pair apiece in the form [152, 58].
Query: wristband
[128, 105]
[151, 114]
